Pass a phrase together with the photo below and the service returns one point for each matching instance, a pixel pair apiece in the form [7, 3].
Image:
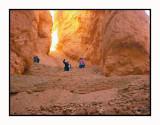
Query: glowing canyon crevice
[117, 40]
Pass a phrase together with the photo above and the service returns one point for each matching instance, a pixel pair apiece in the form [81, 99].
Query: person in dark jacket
[66, 68]
[38, 59]
[34, 59]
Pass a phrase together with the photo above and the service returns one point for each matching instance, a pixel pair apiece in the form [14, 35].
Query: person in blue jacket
[38, 59]
[34, 59]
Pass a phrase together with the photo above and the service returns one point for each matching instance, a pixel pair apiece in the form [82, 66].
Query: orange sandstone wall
[30, 32]
[117, 40]
[43, 28]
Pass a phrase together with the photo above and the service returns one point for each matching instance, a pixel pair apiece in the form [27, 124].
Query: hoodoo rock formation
[117, 40]
[30, 33]
[113, 43]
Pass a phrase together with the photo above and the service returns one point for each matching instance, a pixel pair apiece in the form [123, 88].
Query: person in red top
[81, 63]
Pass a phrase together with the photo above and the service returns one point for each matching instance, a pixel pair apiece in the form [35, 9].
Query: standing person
[81, 63]
[66, 68]
[34, 59]
[38, 59]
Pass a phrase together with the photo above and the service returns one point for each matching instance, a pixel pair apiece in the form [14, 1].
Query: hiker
[81, 63]
[37, 59]
[34, 59]
[66, 68]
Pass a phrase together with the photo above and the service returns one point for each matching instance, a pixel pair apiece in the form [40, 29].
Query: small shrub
[52, 100]
[123, 84]
[59, 79]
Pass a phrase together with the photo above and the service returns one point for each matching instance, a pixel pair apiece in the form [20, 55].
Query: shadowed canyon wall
[117, 40]
[30, 33]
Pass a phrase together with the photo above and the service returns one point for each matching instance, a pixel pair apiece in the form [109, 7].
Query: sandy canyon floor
[48, 90]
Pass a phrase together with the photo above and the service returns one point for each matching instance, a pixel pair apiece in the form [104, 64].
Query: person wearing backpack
[81, 63]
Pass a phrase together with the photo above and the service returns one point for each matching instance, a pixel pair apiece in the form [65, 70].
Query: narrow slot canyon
[115, 45]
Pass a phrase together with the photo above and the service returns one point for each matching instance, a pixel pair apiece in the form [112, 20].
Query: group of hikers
[66, 63]
[68, 66]
[36, 59]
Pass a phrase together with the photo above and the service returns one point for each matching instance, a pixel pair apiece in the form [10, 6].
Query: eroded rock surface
[43, 29]
[118, 40]
[30, 33]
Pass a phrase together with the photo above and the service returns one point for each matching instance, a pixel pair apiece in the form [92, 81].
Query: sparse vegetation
[52, 100]
[59, 79]
[123, 84]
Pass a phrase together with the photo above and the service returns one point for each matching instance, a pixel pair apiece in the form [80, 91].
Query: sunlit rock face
[43, 29]
[30, 33]
[117, 40]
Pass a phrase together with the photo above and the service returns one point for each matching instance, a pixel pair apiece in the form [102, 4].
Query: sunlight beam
[54, 35]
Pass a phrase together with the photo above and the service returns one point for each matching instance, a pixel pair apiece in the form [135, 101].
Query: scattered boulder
[92, 110]
[68, 111]
[81, 111]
